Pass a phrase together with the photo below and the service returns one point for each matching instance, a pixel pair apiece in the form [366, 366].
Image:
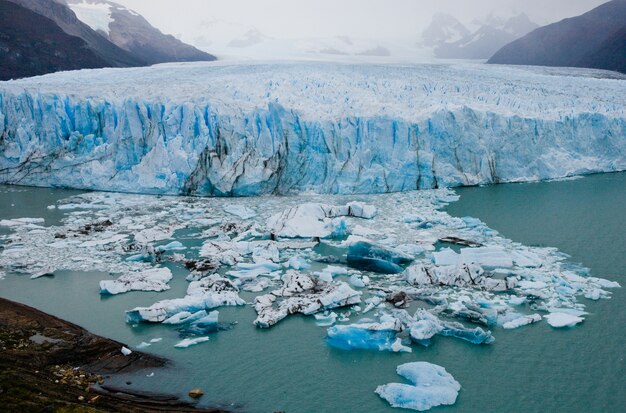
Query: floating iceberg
[210, 292]
[154, 279]
[188, 342]
[431, 386]
[313, 220]
[369, 256]
[457, 275]
[559, 320]
[301, 294]
[366, 335]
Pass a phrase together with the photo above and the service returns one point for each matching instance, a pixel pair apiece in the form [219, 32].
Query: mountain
[67, 21]
[596, 39]
[487, 39]
[131, 32]
[443, 28]
[31, 44]
[43, 36]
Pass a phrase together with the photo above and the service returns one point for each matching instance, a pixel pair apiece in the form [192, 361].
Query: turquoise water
[290, 367]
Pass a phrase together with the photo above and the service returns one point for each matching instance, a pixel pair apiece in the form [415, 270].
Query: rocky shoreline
[51, 365]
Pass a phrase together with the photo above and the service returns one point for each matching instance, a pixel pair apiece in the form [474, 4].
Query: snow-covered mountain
[131, 32]
[90, 33]
[444, 28]
[452, 40]
[248, 129]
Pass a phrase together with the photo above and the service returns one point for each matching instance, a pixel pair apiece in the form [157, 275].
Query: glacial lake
[290, 368]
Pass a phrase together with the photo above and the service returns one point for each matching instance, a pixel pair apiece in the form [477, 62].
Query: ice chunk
[325, 320]
[457, 275]
[559, 320]
[485, 256]
[188, 342]
[330, 271]
[357, 337]
[301, 294]
[250, 271]
[153, 234]
[521, 321]
[154, 279]
[22, 222]
[125, 351]
[241, 211]
[316, 220]
[210, 292]
[431, 386]
[369, 256]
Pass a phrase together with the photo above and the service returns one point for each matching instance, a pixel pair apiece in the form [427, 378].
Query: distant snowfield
[95, 15]
[331, 90]
[249, 128]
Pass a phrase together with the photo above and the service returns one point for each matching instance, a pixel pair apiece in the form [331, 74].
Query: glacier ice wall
[233, 130]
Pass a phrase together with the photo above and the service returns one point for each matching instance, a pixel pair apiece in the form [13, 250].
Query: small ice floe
[154, 279]
[325, 319]
[431, 386]
[257, 285]
[426, 325]
[457, 275]
[143, 344]
[27, 223]
[522, 321]
[313, 220]
[368, 256]
[188, 342]
[240, 211]
[224, 252]
[559, 320]
[150, 375]
[300, 293]
[210, 292]
[125, 351]
[153, 234]
[297, 263]
[329, 272]
[359, 281]
[379, 336]
[248, 271]
[156, 340]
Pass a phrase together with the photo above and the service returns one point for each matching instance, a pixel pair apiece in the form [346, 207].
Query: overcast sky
[325, 18]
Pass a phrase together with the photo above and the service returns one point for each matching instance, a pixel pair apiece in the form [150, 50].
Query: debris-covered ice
[374, 270]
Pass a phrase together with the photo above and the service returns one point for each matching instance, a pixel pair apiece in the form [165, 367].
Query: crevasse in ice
[252, 128]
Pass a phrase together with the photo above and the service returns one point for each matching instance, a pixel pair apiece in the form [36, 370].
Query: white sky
[382, 19]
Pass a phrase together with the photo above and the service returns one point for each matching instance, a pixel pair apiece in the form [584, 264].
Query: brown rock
[196, 393]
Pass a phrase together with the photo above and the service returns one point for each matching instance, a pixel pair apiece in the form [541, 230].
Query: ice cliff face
[249, 129]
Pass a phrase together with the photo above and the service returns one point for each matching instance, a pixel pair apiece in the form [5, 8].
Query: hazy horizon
[373, 19]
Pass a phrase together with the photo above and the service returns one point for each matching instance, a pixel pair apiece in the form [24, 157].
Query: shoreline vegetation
[50, 365]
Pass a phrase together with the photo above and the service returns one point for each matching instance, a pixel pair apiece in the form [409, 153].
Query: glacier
[251, 128]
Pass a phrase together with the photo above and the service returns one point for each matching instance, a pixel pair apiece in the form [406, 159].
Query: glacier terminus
[240, 129]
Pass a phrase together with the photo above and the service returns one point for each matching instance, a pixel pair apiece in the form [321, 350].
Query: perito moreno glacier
[252, 128]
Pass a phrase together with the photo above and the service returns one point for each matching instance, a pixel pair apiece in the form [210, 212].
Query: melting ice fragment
[210, 292]
[241, 211]
[521, 321]
[188, 342]
[559, 320]
[300, 293]
[432, 386]
[154, 279]
[368, 336]
[369, 256]
[312, 220]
